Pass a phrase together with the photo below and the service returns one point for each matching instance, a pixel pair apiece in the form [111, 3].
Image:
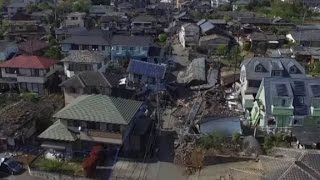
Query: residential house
[255, 20]
[212, 26]
[42, 16]
[212, 42]
[183, 17]
[30, 73]
[22, 26]
[202, 7]
[93, 40]
[218, 3]
[145, 74]
[74, 19]
[109, 121]
[115, 22]
[306, 56]
[83, 60]
[308, 38]
[124, 47]
[15, 7]
[261, 41]
[143, 24]
[125, 7]
[7, 50]
[189, 35]
[240, 4]
[282, 163]
[282, 103]
[255, 69]
[87, 82]
[219, 23]
[98, 11]
[33, 47]
[63, 32]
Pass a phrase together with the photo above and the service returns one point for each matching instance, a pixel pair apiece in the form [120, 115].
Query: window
[293, 70]
[95, 47]
[145, 48]
[103, 48]
[70, 123]
[93, 125]
[74, 47]
[283, 102]
[12, 70]
[76, 124]
[276, 73]
[259, 68]
[131, 48]
[85, 47]
[35, 72]
[99, 65]
[124, 48]
[80, 67]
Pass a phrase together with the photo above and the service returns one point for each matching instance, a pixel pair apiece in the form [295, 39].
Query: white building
[74, 19]
[189, 34]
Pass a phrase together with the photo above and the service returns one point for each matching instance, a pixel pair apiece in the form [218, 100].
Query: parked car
[10, 166]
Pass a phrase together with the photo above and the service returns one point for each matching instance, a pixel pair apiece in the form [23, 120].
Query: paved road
[24, 176]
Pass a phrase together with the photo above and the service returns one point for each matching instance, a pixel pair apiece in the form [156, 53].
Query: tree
[81, 5]
[222, 50]
[54, 52]
[162, 37]
[90, 164]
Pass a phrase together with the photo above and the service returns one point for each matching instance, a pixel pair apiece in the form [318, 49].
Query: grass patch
[58, 166]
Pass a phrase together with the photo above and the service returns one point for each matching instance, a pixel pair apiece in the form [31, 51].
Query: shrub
[31, 97]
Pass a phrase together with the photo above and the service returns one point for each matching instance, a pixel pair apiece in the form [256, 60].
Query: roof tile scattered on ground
[84, 56]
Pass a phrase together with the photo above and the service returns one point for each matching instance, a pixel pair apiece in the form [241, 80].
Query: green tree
[81, 5]
[222, 50]
[162, 37]
[54, 52]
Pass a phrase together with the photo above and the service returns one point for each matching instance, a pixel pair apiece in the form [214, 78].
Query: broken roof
[147, 69]
[196, 70]
[100, 108]
[84, 56]
[87, 79]
[32, 45]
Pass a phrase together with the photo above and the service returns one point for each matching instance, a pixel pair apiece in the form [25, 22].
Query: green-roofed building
[95, 119]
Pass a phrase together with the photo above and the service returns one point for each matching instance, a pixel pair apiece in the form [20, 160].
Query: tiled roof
[100, 108]
[131, 40]
[32, 45]
[84, 56]
[147, 69]
[58, 131]
[29, 62]
[87, 79]
[143, 18]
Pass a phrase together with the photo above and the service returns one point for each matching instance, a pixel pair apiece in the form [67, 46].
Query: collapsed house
[198, 75]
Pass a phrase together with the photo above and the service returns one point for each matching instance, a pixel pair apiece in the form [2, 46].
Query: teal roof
[100, 108]
[58, 131]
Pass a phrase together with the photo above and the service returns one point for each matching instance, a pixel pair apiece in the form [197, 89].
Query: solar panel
[299, 88]
[315, 90]
[282, 90]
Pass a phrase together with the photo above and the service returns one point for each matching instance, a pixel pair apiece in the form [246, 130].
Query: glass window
[85, 47]
[95, 47]
[35, 72]
[76, 123]
[259, 68]
[103, 48]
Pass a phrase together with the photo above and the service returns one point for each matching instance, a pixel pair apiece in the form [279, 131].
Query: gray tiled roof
[143, 18]
[58, 131]
[268, 63]
[100, 108]
[84, 56]
[306, 35]
[88, 40]
[87, 79]
[131, 40]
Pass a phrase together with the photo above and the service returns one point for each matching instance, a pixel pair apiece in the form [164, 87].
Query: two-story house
[189, 35]
[21, 26]
[115, 22]
[86, 82]
[143, 24]
[84, 60]
[93, 40]
[283, 103]
[124, 47]
[255, 69]
[74, 19]
[92, 119]
[30, 73]
[145, 74]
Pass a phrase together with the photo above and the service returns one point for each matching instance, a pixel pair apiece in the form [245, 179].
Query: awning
[53, 145]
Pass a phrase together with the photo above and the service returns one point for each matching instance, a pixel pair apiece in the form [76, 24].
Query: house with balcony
[143, 24]
[283, 103]
[189, 35]
[255, 69]
[145, 74]
[83, 60]
[29, 74]
[92, 119]
[87, 82]
[125, 47]
[93, 40]
[74, 19]
[21, 26]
